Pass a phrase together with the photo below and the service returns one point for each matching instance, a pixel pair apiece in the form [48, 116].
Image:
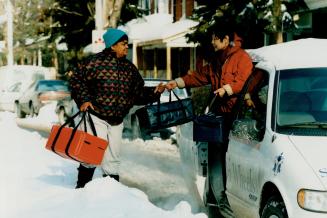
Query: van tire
[19, 112]
[274, 208]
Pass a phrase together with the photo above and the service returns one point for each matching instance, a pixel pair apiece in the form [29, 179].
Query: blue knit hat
[112, 36]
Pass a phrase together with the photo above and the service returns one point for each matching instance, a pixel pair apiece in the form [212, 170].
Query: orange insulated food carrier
[75, 144]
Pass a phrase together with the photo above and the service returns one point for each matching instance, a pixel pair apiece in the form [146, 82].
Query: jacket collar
[228, 52]
[108, 52]
[111, 54]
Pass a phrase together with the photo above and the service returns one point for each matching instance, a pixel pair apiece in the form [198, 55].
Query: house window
[182, 8]
[144, 4]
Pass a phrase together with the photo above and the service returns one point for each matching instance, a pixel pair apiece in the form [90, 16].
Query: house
[160, 48]
[310, 20]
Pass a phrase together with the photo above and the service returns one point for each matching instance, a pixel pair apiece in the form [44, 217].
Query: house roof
[159, 30]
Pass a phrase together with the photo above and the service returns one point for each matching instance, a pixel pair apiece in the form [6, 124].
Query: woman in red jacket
[226, 80]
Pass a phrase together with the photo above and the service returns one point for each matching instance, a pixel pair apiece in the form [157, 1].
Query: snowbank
[37, 183]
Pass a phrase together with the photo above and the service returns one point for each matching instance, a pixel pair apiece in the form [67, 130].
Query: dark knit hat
[112, 36]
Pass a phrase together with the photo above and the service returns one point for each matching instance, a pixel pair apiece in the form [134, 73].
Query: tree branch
[70, 12]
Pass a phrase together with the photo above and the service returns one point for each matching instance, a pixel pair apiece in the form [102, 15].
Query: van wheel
[274, 208]
[19, 112]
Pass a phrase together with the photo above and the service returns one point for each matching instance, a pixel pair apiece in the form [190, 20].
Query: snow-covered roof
[178, 42]
[159, 29]
[302, 53]
[140, 28]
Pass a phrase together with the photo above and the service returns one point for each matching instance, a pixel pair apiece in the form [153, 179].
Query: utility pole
[97, 41]
[10, 35]
[99, 22]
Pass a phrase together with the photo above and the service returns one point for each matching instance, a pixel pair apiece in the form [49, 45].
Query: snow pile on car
[302, 53]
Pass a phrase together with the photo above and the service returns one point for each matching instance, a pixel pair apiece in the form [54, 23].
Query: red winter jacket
[235, 71]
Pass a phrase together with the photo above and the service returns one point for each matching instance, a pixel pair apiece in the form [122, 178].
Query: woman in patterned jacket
[108, 85]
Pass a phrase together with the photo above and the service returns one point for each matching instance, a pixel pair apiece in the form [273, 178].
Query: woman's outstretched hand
[171, 85]
[160, 88]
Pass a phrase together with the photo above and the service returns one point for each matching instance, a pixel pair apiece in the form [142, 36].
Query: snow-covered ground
[36, 183]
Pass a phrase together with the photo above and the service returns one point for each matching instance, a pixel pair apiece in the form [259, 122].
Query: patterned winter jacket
[236, 68]
[112, 85]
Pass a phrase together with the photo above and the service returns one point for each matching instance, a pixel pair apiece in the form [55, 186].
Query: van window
[302, 101]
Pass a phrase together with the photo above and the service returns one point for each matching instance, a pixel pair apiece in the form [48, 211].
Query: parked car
[276, 161]
[14, 80]
[39, 94]
[65, 109]
[131, 123]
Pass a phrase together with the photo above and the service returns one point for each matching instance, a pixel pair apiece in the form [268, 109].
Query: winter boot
[84, 175]
[115, 177]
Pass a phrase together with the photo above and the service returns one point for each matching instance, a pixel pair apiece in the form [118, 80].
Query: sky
[37, 183]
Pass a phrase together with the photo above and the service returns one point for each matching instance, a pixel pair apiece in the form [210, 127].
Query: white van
[15, 79]
[276, 163]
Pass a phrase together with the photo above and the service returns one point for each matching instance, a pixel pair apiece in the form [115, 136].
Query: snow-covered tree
[251, 19]
[31, 27]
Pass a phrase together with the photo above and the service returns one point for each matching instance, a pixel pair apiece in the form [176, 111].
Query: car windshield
[302, 98]
[16, 87]
[177, 91]
[52, 85]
